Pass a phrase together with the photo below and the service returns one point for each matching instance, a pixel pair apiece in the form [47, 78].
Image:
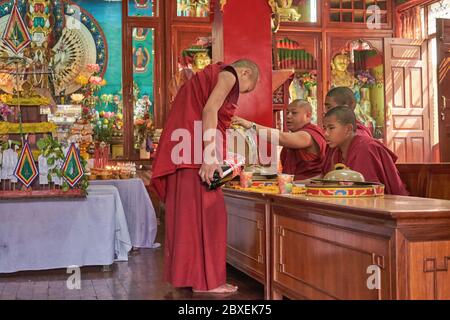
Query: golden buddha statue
[340, 76]
[201, 60]
[286, 12]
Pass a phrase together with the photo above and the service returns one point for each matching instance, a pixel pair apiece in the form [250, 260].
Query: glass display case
[193, 8]
[358, 12]
[142, 8]
[360, 67]
[298, 11]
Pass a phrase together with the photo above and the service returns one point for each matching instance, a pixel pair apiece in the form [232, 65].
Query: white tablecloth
[50, 234]
[141, 217]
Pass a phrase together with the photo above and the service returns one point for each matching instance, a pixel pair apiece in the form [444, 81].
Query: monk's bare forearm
[294, 140]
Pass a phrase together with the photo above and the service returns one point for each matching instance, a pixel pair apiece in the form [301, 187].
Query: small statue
[58, 181]
[119, 104]
[296, 89]
[43, 170]
[10, 159]
[340, 76]
[363, 111]
[202, 8]
[286, 12]
[201, 61]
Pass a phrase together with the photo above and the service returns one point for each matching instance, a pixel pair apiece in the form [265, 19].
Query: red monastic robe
[299, 162]
[371, 158]
[362, 130]
[196, 219]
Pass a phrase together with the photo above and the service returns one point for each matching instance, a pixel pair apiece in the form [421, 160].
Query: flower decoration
[5, 111]
[93, 68]
[143, 130]
[4, 98]
[95, 80]
[143, 122]
[103, 127]
[77, 98]
[309, 80]
[82, 80]
[365, 79]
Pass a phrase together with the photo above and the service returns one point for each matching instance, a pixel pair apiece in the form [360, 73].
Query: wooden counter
[330, 248]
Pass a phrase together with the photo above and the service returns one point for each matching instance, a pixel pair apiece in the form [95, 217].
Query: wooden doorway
[142, 82]
[443, 83]
[407, 99]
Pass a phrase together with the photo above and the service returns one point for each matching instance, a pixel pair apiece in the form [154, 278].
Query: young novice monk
[360, 153]
[303, 147]
[343, 96]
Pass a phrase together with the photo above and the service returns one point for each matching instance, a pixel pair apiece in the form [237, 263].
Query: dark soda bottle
[220, 181]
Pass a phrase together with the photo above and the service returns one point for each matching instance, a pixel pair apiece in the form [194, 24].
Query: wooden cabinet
[248, 236]
[183, 37]
[384, 248]
[359, 14]
[300, 52]
[428, 180]
[342, 23]
[315, 257]
[186, 22]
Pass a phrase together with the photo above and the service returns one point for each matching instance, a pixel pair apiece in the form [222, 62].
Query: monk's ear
[246, 72]
[348, 128]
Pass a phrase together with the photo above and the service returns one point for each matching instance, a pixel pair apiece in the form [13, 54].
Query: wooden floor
[139, 278]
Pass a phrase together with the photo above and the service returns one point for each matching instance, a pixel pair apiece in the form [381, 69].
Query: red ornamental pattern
[373, 191]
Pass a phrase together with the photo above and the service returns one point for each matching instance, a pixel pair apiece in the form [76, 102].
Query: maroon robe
[195, 244]
[372, 159]
[362, 130]
[299, 162]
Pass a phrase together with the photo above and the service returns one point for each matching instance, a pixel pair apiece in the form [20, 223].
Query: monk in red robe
[343, 96]
[196, 218]
[304, 145]
[360, 153]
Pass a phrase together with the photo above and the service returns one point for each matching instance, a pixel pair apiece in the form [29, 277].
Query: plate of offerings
[343, 188]
[267, 187]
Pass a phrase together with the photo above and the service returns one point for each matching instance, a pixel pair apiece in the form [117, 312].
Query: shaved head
[303, 104]
[249, 64]
[341, 96]
[343, 115]
[298, 114]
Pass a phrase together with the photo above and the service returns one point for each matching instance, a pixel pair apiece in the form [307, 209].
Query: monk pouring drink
[196, 219]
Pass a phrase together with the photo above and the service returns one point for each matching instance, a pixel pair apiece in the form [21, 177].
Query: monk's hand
[237, 121]
[206, 171]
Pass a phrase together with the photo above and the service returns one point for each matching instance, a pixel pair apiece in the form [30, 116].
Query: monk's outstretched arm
[223, 87]
[293, 140]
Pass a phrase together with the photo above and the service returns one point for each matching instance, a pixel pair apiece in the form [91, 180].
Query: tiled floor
[139, 278]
